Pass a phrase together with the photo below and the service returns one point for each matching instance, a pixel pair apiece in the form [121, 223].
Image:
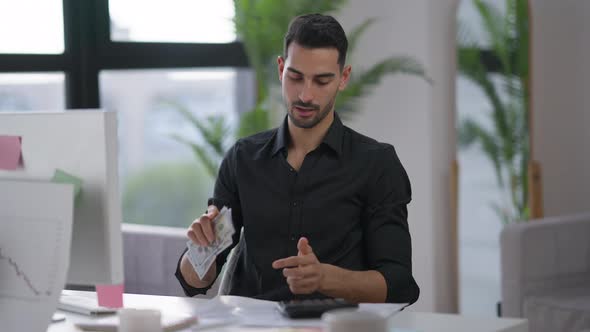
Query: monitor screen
[80, 145]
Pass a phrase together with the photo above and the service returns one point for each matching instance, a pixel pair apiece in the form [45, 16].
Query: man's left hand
[304, 272]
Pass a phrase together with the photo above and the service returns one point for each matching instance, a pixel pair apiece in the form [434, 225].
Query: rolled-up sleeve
[387, 236]
[225, 194]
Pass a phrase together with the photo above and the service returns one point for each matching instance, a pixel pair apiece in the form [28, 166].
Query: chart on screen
[28, 248]
[35, 239]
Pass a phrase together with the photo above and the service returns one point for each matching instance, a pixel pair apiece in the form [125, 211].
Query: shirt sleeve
[387, 236]
[225, 194]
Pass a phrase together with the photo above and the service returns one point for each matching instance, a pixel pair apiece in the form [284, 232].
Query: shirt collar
[332, 139]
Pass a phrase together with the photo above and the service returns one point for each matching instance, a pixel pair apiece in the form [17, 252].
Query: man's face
[311, 79]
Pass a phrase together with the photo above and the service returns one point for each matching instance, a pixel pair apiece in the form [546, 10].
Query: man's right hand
[201, 231]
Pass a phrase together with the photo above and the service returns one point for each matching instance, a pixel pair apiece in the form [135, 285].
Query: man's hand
[304, 272]
[201, 231]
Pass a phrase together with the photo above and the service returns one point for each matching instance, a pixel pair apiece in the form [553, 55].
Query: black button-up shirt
[348, 198]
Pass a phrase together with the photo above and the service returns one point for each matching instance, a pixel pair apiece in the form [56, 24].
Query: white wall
[418, 119]
[561, 105]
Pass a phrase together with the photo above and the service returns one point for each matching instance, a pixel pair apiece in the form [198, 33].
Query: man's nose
[306, 93]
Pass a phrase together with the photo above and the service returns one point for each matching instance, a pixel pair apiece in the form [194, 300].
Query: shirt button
[292, 170]
[292, 238]
[294, 203]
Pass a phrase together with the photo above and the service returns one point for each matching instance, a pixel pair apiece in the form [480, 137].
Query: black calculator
[312, 308]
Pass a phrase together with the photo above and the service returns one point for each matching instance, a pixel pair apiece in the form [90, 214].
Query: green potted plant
[506, 143]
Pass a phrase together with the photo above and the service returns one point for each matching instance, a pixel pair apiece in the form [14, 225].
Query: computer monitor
[82, 143]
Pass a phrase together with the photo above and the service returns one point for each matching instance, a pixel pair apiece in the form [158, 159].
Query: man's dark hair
[317, 31]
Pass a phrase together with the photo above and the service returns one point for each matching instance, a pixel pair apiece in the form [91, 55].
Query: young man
[323, 207]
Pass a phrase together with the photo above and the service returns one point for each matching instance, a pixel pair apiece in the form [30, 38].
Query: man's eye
[295, 78]
[322, 82]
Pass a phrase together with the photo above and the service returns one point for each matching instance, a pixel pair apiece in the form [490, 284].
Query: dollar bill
[201, 257]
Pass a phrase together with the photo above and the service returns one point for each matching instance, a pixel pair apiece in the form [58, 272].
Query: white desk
[430, 322]
[406, 320]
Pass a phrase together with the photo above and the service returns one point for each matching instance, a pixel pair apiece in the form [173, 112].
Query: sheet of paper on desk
[170, 322]
[252, 312]
[34, 252]
[383, 309]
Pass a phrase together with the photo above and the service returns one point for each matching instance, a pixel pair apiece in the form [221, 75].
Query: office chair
[229, 268]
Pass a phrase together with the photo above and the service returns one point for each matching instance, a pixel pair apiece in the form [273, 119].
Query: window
[183, 21]
[27, 30]
[479, 225]
[57, 54]
[162, 181]
[32, 91]
[32, 33]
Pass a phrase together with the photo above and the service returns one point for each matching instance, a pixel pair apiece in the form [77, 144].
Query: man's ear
[280, 67]
[346, 72]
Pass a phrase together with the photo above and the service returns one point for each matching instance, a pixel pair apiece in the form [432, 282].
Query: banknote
[201, 257]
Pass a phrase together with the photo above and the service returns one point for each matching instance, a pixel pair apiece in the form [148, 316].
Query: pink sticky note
[10, 152]
[110, 295]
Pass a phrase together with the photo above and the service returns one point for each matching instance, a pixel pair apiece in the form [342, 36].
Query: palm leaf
[465, 38]
[470, 65]
[360, 84]
[506, 143]
[355, 34]
[214, 131]
[496, 30]
[210, 163]
[253, 122]
[502, 213]
[470, 132]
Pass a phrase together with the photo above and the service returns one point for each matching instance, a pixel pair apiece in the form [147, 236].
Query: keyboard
[82, 305]
[312, 308]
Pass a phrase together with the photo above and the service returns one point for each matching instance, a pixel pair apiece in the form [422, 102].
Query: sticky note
[110, 296]
[61, 176]
[10, 152]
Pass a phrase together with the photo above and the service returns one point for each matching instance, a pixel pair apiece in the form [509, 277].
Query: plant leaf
[211, 163]
[360, 84]
[470, 132]
[253, 122]
[355, 34]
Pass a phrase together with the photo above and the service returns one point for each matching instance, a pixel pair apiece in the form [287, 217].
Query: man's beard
[313, 121]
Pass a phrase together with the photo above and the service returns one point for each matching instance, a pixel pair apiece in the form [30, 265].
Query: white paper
[164, 321]
[35, 237]
[382, 309]
[246, 311]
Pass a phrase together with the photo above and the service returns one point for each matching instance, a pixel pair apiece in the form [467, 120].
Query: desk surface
[404, 321]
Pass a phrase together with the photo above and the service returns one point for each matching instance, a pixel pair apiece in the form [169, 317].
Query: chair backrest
[150, 255]
[227, 273]
[542, 255]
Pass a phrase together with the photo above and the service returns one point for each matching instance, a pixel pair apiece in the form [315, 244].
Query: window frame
[88, 49]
